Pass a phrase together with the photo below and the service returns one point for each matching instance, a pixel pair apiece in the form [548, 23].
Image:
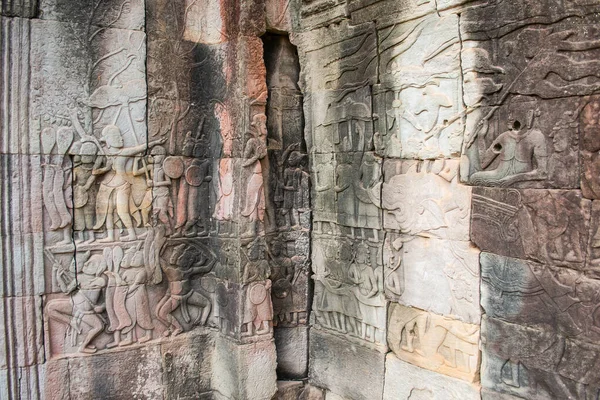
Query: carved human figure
[282, 277]
[81, 311]
[55, 144]
[294, 179]
[394, 274]
[115, 186]
[344, 190]
[521, 153]
[183, 264]
[116, 295]
[137, 302]
[258, 309]
[84, 196]
[369, 293]
[255, 150]
[325, 195]
[225, 203]
[157, 197]
[192, 197]
[368, 193]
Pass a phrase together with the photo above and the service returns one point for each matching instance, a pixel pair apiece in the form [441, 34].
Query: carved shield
[173, 167]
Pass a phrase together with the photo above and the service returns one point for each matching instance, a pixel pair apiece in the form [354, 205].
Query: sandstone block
[403, 381]
[441, 276]
[21, 339]
[440, 344]
[520, 223]
[344, 368]
[424, 198]
[108, 14]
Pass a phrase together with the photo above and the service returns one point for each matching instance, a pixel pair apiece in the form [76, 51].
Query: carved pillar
[21, 240]
[19, 8]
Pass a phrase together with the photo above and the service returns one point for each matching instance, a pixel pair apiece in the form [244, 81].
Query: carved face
[112, 136]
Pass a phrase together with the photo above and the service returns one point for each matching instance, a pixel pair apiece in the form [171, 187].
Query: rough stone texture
[437, 343]
[534, 363]
[292, 352]
[349, 370]
[549, 226]
[404, 381]
[19, 8]
[435, 275]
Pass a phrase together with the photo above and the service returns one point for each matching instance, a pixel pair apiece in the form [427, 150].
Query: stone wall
[317, 199]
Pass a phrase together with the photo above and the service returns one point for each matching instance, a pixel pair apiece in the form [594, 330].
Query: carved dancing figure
[255, 151]
[325, 195]
[182, 266]
[115, 187]
[82, 310]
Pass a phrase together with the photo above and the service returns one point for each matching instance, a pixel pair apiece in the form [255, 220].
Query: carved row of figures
[110, 186]
[114, 298]
[349, 296]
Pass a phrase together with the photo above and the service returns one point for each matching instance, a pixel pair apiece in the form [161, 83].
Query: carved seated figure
[521, 154]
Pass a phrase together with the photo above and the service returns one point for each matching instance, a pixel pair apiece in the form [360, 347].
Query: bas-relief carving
[349, 293]
[433, 342]
[590, 148]
[290, 269]
[120, 14]
[516, 134]
[441, 276]
[418, 105]
[424, 198]
[112, 296]
[548, 226]
[535, 363]
[550, 298]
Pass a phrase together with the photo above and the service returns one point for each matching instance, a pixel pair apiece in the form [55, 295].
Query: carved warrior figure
[193, 194]
[184, 263]
[115, 186]
[157, 197]
[55, 144]
[81, 312]
[255, 151]
[84, 194]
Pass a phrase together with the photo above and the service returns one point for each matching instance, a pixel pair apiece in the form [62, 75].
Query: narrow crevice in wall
[288, 195]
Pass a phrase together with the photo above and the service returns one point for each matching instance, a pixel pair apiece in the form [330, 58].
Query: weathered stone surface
[108, 14]
[316, 13]
[405, 381]
[349, 295]
[19, 8]
[554, 299]
[292, 352]
[187, 366]
[130, 373]
[590, 149]
[436, 275]
[244, 371]
[424, 198]
[21, 339]
[419, 101]
[28, 383]
[351, 371]
[487, 394]
[536, 364]
[440, 344]
[549, 226]
[298, 390]
[593, 249]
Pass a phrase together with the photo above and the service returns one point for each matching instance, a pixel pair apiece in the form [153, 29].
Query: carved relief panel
[548, 226]
[441, 276]
[349, 293]
[419, 101]
[424, 198]
[433, 342]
